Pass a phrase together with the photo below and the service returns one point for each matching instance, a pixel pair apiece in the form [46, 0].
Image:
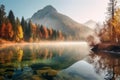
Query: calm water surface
[57, 62]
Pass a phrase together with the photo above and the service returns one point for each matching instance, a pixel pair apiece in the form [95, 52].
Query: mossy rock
[52, 72]
[36, 77]
[47, 72]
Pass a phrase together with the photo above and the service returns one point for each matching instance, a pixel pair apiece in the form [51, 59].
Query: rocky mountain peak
[43, 12]
[49, 8]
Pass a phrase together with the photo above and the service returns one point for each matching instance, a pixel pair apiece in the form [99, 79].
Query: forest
[12, 29]
[111, 31]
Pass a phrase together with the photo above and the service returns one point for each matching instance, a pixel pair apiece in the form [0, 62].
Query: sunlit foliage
[16, 30]
[111, 30]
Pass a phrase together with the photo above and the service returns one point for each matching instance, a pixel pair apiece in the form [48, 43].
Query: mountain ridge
[91, 24]
[44, 11]
[50, 17]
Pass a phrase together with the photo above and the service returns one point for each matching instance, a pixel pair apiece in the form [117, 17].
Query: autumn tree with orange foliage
[44, 32]
[6, 30]
[9, 30]
[111, 30]
[14, 30]
[2, 30]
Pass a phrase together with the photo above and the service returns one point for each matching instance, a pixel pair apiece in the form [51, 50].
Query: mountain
[91, 24]
[50, 17]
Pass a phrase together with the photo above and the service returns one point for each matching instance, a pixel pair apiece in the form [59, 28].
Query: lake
[57, 61]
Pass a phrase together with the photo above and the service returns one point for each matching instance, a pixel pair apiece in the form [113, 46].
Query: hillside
[51, 18]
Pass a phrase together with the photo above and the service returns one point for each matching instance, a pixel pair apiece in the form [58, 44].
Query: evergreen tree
[112, 8]
[2, 14]
[23, 24]
[11, 18]
[54, 36]
[29, 30]
[24, 27]
[17, 21]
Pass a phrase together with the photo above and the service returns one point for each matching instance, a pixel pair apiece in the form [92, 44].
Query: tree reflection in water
[38, 61]
[107, 64]
[45, 61]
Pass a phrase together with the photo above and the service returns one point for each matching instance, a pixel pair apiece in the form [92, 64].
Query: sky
[79, 10]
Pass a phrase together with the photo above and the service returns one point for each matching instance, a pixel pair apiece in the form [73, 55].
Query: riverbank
[107, 47]
[5, 43]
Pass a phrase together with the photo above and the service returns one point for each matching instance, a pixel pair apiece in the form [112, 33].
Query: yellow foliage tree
[116, 24]
[20, 32]
[111, 22]
[114, 27]
[112, 31]
[19, 35]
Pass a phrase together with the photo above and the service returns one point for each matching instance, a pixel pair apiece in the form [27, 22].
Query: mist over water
[53, 61]
[33, 57]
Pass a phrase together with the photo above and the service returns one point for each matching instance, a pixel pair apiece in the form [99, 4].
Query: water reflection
[57, 62]
[40, 62]
[96, 66]
[81, 70]
[106, 64]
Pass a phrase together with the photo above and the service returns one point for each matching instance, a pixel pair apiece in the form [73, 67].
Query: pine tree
[11, 18]
[24, 27]
[2, 14]
[23, 24]
[29, 31]
[54, 36]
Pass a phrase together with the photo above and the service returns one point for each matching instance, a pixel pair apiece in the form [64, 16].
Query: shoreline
[106, 47]
[5, 43]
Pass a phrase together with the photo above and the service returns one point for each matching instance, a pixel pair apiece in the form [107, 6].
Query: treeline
[111, 31]
[11, 28]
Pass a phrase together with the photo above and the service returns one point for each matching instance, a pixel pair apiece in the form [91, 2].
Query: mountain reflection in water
[57, 62]
[81, 70]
